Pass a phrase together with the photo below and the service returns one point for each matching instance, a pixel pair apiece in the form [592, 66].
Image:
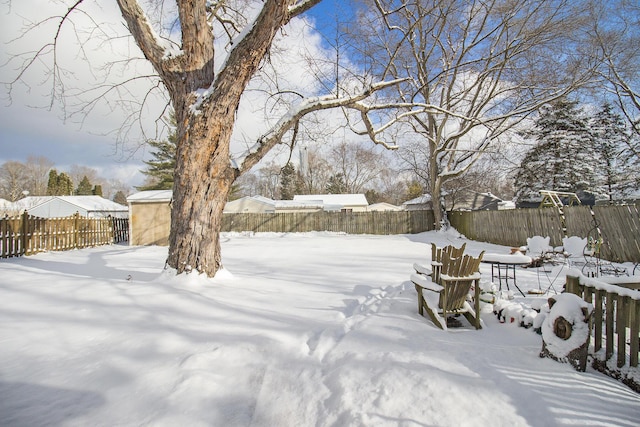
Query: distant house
[383, 207]
[260, 204]
[150, 217]
[250, 204]
[63, 206]
[474, 201]
[420, 203]
[337, 202]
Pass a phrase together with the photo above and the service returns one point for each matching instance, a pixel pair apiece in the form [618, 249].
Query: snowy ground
[299, 330]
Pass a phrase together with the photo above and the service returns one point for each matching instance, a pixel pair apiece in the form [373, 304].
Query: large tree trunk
[202, 184]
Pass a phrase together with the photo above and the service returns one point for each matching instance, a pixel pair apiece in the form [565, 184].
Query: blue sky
[28, 131]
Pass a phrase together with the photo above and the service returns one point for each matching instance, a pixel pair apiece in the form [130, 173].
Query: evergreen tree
[161, 168]
[564, 157]
[84, 188]
[290, 182]
[65, 184]
[52, 184]
[414, 189]
[336, 184]
[617, 173]
[59, 184]
[97, 190]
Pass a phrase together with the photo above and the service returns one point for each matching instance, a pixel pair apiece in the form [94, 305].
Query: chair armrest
[422, 269]
[424, 283]
[447, 278]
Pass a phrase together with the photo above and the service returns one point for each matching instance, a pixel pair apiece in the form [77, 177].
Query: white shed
[64, 206]
[150, 217]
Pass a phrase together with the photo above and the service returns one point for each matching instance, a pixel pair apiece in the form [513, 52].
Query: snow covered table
[505, 262]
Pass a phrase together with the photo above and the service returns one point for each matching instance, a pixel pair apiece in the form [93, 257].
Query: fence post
[25, 229]
[573, 285]
[76, 230]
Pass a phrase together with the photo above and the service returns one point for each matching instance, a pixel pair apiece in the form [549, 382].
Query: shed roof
[335, 199]
[420, 200]
[151, 196]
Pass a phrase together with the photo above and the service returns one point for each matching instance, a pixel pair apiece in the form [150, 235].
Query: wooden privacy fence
[388, 222]
[616, 318]
[28, 235]
[618, 225]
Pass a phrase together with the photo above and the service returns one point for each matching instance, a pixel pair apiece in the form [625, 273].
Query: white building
[64, 206]
[337, 202]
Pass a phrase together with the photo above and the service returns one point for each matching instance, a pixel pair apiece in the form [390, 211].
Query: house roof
[384, 206]
[87, 203]
[420, 200]
[151, 196]
[335, 199]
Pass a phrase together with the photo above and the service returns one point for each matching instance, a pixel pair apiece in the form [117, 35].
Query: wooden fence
[616, 319]
[618, 225]
[28, 235]
[400, 222]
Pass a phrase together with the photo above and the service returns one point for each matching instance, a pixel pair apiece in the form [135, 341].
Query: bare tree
[37, 169]
[13, 180]
[209, 54]
[358, 165]
[613, 37]
[475, 68]
[315, 170]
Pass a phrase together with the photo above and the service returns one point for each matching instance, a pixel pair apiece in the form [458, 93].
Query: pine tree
[52, 184]
[84, 188]
[564, 157]
[65, 184]
[336, 184]
[617, 173]
[59, 184]
[160, 169]
[97, 190]
[290, 182]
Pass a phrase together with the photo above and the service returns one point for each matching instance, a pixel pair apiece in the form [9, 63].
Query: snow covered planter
[566, 330]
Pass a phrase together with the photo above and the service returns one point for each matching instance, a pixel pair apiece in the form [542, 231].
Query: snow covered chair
[574, 248]
[449, 297]
[539, 250]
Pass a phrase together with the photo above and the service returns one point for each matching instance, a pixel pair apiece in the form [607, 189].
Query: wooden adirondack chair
[457, 277]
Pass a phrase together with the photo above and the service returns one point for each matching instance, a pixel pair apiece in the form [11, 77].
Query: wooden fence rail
[28, 235]
[616, 318]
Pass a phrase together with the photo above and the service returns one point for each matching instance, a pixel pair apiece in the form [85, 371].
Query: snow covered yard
[310, 329]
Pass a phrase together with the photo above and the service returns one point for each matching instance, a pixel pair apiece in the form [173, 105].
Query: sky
[309, 329]
[29, 128]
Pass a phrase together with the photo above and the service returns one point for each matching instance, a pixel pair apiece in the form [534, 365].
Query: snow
[311, 329]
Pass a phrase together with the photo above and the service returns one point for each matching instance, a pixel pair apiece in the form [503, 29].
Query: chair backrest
[452, 251]
[461, 266]
[574, 246]
[455, 293]
[537, 246]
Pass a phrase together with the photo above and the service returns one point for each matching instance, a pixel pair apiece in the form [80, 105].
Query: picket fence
[28, 235]
[615, 322]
